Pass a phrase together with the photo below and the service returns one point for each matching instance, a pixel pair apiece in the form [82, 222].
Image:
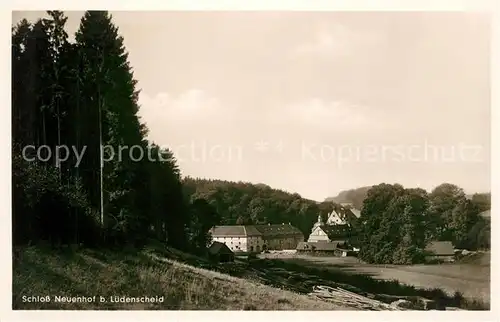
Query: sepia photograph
[251, 160]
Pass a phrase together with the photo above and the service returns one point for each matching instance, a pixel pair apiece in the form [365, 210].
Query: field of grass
[40, 272]
[469, 277]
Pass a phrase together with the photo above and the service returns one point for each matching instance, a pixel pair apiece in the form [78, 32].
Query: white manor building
[336, 227]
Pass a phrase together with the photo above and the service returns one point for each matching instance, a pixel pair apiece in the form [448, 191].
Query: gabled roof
[255, 230]
[335, 214]
[440, 248]
[356, 212]
[252, 231]
[219, 248]
[345, 212]
[228, 231]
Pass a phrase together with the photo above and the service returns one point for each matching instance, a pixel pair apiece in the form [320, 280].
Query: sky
[315, 102]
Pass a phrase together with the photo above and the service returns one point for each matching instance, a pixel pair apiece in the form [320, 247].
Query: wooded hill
[244, 203]
[358, 195]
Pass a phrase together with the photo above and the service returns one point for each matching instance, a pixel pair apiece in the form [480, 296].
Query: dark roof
[318, 246]
[219, 248]
[278, 230]
[346, 212]
[252, 231]
[440, 248]
[228, 231]
[255, 230]
[335, 231]
[340, 242]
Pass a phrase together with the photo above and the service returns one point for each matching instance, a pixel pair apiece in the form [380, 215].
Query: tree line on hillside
[243, 203]
[354, 196]
[397, 223]
[358, 195]
[83, 95]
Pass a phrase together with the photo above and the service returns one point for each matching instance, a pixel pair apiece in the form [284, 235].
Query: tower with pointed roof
[319, 222]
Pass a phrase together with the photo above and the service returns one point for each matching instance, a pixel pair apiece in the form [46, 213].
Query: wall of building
[236, 244]
[282, 242]
[258, 244]
[255, 244]
[242, 244]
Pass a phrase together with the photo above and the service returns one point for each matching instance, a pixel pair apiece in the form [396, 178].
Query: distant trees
[354, 196]
[397, 223]
[482, 201]
[451, 215]
[479, 236]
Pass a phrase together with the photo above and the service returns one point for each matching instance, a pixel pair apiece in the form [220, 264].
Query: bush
[46, 209]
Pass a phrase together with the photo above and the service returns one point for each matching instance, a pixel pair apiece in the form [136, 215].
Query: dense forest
[241, 203]
[74, 98]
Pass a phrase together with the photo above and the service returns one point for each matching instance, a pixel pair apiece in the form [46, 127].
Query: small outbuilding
[337, 248]
[442, 251]
[219, 252]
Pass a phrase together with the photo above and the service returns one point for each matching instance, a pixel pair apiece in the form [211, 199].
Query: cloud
[196, 116]
[190, 105]
[334, 41]
[333, 116]
[171, 119]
